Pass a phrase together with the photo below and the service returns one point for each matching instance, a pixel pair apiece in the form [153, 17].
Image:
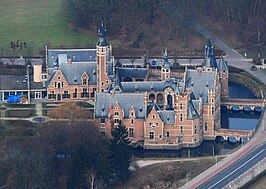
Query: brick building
[162, 109]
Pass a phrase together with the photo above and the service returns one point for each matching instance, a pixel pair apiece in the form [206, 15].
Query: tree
[68, 110]
[121, 152]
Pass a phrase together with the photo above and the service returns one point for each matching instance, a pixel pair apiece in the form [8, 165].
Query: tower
[223, 76]
[209, 58]
[102, 52]
[165, 69]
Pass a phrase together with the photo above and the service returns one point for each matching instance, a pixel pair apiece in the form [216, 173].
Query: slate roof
[167, 116]
[102, 34]
[146, 86]
[199, 82]
[222, 64]
[133, 72]
[74, 72]
[191, 111]
[76, 55]
[125, 101]
[15, 82]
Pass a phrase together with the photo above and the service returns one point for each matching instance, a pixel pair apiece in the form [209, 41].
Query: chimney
[37, 73]
[69, 61]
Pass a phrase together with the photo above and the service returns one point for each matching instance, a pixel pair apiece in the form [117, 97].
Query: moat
[230, 119]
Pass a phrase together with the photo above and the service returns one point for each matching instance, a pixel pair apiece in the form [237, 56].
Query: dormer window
[75, 80]
[140, 109]
[84, 81]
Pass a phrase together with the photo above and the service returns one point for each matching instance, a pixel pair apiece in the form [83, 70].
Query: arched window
[169, 102]
[151, 97]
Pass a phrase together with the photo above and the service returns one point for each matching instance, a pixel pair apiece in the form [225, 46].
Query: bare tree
[90, 176]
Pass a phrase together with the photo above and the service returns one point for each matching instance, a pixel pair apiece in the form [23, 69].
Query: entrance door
[59, 97]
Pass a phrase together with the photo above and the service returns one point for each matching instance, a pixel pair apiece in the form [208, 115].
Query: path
[233, 57]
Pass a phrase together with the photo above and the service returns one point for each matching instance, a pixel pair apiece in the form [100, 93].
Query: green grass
[38, 22]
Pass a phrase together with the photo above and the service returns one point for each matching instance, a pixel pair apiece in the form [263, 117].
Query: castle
[161, 108]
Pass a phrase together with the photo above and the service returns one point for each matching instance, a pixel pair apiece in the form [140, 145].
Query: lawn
[38, 22]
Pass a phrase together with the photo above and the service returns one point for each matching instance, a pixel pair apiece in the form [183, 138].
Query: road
[235, 170]
[233, 57]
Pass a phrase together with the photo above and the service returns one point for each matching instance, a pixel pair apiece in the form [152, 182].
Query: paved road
[234, 58]
[235, 170]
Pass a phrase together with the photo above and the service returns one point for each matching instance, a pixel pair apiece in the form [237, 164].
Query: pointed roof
[165, 63]
[102, 34]
[222, 64]
[209, 60]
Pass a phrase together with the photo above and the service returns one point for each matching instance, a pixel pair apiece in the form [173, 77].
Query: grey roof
[133, 72]
[167, 116]
[125, 101]
[222, 64]
[73, 72]
[77, 55]
[146, 86]
[200, 82]
[15, 82]
[58, 56]
[191, 111]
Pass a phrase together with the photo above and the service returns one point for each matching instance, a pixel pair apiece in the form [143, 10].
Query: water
[229, 119]
[239, 91]
[240, 119]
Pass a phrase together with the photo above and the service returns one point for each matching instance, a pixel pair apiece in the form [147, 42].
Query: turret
[165, 68]
[103, 80]
[223, 76]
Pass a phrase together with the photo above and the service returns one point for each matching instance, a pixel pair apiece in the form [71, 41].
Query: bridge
[242, 103]
[238, 134]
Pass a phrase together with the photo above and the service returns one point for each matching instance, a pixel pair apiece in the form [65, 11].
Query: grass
[166, 175]
[37, 23]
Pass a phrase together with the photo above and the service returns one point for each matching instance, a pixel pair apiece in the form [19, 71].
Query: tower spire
[102, 34]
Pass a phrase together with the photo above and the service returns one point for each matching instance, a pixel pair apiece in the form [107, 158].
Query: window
[102, 83]
[181, 117]
[153, 116]
[59, 77]
[132, 121]
[84, 82]
[84, 90]
[55, 84]
[131, 132]
[116, 121]
[212, 100]
[154, 124]
[38, 95]
[181, 106]
[160, 136]
[132, 114]
[212, 110]
[167, 134]
[44, 76]
[195, 129]
[152, 136]
[102, 121]
[58, 85]
[206, 126]
[116, 113]
[62, 84]
[181, 130]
